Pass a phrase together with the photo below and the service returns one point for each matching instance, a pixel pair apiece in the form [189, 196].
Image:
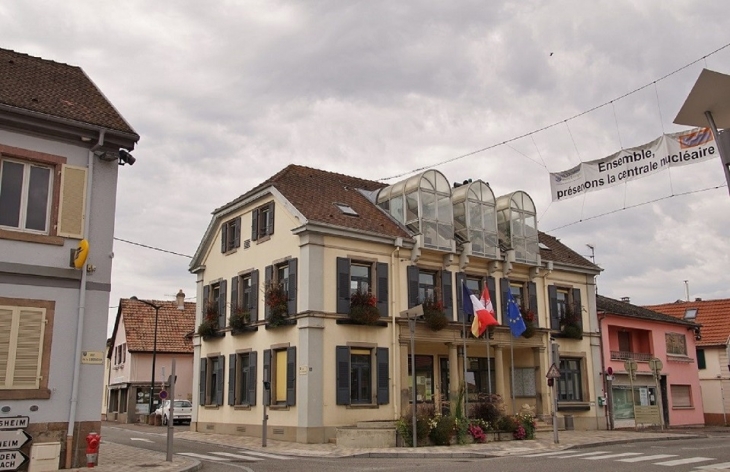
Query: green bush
[443, 430]
[424, 413]
[508, 424]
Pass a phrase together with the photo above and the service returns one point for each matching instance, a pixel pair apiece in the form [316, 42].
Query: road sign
[12, 460]
[655, 365]
[630, 365]
[163, 394]
[13, 439]
[553, 373]
[16, 422]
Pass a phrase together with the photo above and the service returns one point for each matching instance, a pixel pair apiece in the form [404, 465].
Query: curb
[627, 441]
[421, 455]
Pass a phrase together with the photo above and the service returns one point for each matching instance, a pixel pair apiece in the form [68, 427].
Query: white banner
[670, 150]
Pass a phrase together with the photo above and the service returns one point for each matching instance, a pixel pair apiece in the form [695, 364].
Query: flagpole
[512, 362]
[463, 353]
[489, 367]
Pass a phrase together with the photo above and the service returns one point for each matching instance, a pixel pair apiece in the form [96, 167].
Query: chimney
[625, 299]
[698, 299]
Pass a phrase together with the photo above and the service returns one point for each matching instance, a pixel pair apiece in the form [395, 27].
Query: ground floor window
[242, 378]
[211, 380]
[363, 375]
[681, 396]
[570, 383]
[424, 378]
[624, 400]
[280, 373]
[480, 376]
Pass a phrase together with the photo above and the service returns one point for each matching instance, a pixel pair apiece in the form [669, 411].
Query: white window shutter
[6, 324]
[73, 202]
[29, 352]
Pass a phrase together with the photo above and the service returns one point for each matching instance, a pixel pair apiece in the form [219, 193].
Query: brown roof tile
[55, 89]
[172, 326]
[559, 252]
[616, 307]
[713, 315]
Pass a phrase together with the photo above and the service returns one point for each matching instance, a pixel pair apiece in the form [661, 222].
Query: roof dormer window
[517, 224]
[475, 217]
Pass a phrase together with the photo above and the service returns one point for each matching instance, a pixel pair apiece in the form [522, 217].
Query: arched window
[517, 225]
[475, 217]
[423, 203]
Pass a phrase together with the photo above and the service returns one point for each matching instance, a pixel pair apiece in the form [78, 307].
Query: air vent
[278, 430]
[247, 244]
[241, 429]
[210, 427]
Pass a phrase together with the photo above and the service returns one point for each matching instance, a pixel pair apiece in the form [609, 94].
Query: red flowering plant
[433, 314]
[363, 307]
[528, 316]
[570, 323]
[277, 300]
[209, 325]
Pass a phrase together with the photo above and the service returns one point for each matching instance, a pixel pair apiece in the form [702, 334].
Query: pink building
[636, 338]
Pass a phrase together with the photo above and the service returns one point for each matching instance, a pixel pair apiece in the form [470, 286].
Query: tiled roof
[713, 315]
[616, 307]
[60, 90]
[314, 193]
[172, 326]
[559, 252]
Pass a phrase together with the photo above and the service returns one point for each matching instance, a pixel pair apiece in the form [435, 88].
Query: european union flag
[516, 323]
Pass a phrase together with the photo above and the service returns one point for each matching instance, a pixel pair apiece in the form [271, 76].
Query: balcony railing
[628, 355]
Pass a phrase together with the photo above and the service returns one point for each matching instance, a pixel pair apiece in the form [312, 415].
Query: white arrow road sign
[12, 460]
[17, 422]
[13, 439]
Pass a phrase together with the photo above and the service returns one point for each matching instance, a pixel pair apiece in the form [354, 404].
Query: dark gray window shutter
[554, 315]
[343, 285]
[252, 378]
[492, 287]
[460, 281]
[220, 378]
[343, 375]
[231, 379]
[383, 376]
[224, 237]
[578, 307]
[270, 227]
[253, 308]
[412, 273]
[234, 294]
[267, 375]
[237, 232]
[203, 379]
[255, 225]
[504, 289]
[532, 297]
[292, 295]
[447, 294]
[291, 375]
[268, 276]
[222, 304]
[381, 273]
[206, 298]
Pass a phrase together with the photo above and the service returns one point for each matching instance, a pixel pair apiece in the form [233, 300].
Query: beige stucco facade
[715, 386]
[320, 330]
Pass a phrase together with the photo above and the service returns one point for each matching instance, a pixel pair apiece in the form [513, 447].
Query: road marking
[585, 454]
[542, 454]
[202, 456]
[722, 466]
[647, 458]
[141, 439]
[689, 460]
[237, 456]
[612, 456]
[268, 456]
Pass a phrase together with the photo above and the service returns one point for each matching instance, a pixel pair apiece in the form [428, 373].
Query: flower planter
[244, 330]
[347, 321]
[279, 324]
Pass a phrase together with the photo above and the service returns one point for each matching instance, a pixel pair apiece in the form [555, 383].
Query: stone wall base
[56, 432]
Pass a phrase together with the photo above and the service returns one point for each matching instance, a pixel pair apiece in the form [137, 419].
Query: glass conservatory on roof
[475, 217]
[517, 225]
[422, 203]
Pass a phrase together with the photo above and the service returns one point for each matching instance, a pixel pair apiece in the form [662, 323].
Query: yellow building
[290, 273]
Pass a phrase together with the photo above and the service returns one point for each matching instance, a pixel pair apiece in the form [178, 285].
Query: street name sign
[16, 422]
[13, 439]
[12, 460]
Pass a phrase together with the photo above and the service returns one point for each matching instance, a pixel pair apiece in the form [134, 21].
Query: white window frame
[22, 222]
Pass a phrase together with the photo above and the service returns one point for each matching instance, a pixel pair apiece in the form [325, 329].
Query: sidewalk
[119, 458]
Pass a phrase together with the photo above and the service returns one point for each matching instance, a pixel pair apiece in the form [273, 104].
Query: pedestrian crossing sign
[554, 372]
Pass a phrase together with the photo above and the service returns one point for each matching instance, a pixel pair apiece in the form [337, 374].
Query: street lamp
[180, 298]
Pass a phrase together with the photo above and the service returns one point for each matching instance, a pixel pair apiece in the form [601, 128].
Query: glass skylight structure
[517, 225]
[475, 217]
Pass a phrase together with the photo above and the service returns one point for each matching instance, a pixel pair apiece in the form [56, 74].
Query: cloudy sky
[224, 94]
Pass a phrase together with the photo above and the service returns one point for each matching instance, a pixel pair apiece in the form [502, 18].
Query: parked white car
[183, 411]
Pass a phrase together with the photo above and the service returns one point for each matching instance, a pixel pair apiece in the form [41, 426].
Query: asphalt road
[711, 453]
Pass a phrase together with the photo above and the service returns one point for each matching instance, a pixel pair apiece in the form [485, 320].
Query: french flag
[482, 310]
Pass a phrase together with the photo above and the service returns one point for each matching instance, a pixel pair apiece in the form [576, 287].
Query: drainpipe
[395, 356]
[70, 456]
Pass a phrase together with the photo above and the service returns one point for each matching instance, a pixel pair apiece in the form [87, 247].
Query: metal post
[554, 361]
[171, 418]
[463, 355]
[412, 327]
[154, 356]
[512, 367]
[267, 385]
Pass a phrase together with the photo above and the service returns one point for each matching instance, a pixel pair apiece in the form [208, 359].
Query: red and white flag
[483, 313]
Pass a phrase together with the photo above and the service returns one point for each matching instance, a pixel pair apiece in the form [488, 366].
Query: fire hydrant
[92, 449]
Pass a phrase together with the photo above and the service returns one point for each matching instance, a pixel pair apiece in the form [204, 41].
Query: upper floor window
[365, 277]
[676, 344]
[231, 234]
[517, 224]
[281, 277]
[214, 302]
[566, 309]
[244, 295]
[428, 285]
[25, 196]
[262, 221]
[120, 354]
[475, 217]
